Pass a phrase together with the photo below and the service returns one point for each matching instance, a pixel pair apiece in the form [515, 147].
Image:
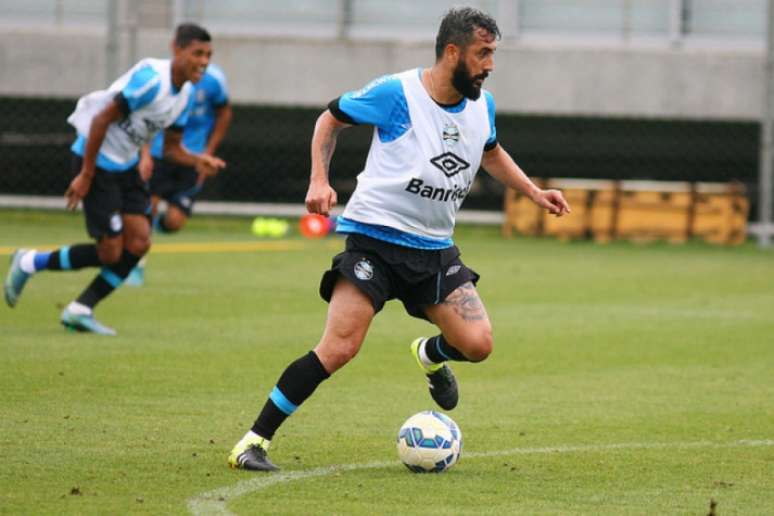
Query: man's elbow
[325, 117]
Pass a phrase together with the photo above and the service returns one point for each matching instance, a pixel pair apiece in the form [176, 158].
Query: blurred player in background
[112, 125]
[433, 128]
[178, 185]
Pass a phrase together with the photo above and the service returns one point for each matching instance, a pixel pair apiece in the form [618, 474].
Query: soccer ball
[429, 442]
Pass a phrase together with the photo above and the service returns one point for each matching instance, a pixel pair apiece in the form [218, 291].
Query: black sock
[73, 257]
[438, 350]
[296, 384]
[109, 279]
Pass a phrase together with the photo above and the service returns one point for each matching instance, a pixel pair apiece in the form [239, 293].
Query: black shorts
[385, 271]
[175, 184]
[111, 195]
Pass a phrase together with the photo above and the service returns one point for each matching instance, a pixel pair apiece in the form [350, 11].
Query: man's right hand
[145, 166]
[207, 166]
[78, 189]
[320, 198]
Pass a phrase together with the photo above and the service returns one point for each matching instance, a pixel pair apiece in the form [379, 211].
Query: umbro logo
[450, 164]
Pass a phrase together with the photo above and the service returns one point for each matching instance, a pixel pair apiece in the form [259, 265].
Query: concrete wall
[61, 63]
[542, 79]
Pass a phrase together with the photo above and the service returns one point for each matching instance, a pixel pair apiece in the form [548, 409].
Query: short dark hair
[459, 25]
[189, 32]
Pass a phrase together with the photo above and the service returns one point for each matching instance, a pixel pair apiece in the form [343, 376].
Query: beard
[464, 83]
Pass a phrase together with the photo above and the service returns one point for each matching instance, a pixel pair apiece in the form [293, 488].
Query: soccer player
[433, 128]
[112, 125]
[178, 185]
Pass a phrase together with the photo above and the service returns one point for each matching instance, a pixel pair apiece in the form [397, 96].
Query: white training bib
[417, 182]
[125, 137]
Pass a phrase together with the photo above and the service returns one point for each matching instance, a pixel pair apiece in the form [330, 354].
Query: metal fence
[267, 150]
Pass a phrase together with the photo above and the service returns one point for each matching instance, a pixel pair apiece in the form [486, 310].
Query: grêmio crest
[451, 134]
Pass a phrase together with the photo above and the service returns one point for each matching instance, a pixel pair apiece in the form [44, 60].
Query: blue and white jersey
[209, 94]
[422, 162]
[153, 104]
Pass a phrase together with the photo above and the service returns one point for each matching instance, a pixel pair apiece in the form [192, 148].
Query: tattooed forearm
[327, 147]
[466, 303]
[326, 132]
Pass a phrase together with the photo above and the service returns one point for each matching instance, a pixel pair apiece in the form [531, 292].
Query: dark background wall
[267, 151]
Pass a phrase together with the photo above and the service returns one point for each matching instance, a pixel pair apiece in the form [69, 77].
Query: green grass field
[625, 380]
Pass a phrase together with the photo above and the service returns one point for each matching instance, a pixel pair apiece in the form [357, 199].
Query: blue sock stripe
[111, 277]
[438, 349]
[64, 258]
[284, 404]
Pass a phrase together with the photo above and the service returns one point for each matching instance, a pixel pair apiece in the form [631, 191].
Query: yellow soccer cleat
[442, 384]
[251, 453]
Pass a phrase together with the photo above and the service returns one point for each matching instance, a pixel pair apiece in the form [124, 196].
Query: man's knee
[174, 226]
[174, 219]
[340, 356]
[137, 240]
[479, 345]
[349, 315]
[136, 234]
[138, 246]
[339, 345]
[336, 351]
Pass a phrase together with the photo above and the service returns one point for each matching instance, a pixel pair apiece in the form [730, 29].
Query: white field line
[214, 502]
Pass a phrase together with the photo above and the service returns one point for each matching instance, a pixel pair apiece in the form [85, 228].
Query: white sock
[423, 356]
[78, 309]
[252, 437]
[27, 262]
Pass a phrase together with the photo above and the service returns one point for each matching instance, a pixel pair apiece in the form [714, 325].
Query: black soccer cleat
[443, 388]
[251, 456]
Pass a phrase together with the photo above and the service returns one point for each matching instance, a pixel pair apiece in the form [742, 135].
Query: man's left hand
[553, 201]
